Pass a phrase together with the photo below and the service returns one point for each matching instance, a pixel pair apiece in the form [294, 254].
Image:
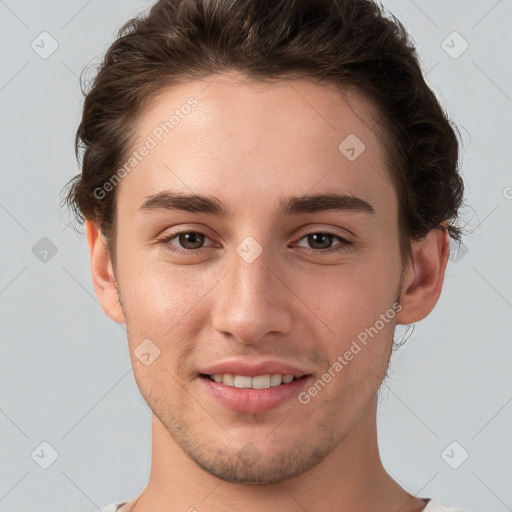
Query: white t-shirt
[432, 506]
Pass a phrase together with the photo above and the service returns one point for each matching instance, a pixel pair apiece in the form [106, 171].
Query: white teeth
[243, 382]
[276, 380]
[258, 382]
[228, 379]
[261, 382]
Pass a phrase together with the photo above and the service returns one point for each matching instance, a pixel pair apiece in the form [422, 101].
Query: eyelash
[344, 243]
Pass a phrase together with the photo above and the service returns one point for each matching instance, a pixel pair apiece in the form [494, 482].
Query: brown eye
[320, 239]
[191, 240]
[185, 242]
[320, 242]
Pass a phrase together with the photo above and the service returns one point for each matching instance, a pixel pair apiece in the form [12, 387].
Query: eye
[189, 241]
[321, 242]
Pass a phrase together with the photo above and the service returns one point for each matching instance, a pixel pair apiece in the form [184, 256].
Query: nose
[252, 300]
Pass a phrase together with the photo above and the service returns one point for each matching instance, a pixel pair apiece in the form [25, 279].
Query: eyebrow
[196, 203]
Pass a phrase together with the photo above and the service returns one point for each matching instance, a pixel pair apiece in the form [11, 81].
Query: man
[268, 189]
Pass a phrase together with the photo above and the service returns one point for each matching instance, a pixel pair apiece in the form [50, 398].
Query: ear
[424, 276]
[102, 273]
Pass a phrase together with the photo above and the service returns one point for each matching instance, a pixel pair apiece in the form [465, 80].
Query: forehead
[247, 140]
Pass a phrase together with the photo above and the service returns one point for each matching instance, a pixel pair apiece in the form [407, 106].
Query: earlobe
[424, 277]
[102, 273]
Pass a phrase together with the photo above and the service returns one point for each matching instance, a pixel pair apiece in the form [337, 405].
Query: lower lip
[253, 401]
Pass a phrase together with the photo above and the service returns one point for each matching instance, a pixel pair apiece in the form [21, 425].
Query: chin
[249, 466]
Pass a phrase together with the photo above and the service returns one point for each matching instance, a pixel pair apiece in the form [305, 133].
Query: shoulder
[435, 506]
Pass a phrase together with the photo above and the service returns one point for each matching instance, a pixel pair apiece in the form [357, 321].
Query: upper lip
[265, 367]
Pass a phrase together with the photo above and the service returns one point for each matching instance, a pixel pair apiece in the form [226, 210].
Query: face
[258, 280]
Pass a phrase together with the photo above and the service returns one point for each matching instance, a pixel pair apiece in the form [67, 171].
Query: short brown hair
[350, 43]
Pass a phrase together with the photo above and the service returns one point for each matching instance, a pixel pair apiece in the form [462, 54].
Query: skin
[249, 144]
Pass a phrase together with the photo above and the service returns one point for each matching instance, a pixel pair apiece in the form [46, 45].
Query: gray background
[64, 367]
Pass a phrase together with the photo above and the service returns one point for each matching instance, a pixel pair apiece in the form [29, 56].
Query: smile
[247, 382]
[253, 395]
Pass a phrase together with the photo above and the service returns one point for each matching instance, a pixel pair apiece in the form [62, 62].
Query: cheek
[356, 306]
[166, 301]
[349, 297]
[163, 308]
[158, 294]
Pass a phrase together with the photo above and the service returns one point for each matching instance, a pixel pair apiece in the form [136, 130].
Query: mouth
[253, 394]
[248, 382]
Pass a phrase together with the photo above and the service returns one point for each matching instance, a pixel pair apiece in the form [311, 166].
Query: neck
[351, 478]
